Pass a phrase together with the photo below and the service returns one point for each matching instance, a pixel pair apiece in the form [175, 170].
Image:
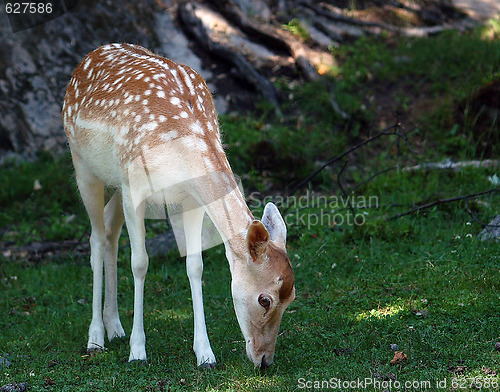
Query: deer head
[262, 285]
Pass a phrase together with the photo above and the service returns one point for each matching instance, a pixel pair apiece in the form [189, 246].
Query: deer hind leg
[113, 221]
[92, 193]
[193, 220]
[134, 219]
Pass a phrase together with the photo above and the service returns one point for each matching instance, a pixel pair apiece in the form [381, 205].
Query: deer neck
[231, 216]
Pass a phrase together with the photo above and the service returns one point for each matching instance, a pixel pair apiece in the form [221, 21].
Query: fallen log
[194, 27]
[450, 165]
[491, 231]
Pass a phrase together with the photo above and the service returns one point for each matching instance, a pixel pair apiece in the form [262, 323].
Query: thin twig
[344, 193]
[329, 162]
[443, 201]
[355, 187]
[473, 216]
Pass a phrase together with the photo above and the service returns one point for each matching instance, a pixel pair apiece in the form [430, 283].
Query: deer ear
[257, 240]
[275, 224]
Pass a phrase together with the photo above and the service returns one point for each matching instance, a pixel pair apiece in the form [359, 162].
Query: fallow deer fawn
[147, 128]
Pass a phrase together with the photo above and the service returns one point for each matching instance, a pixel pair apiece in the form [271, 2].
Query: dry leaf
[488, 371]
[458, 369]
[399, 358]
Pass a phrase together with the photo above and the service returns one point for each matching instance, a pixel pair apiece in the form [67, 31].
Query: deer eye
[264, 301]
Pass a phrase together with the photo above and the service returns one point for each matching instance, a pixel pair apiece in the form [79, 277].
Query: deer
[146, 128]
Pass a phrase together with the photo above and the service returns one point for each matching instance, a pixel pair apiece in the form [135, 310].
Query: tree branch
[331, 161]
[344, 193]
[473, 216]
[442, 201]
[352, 189]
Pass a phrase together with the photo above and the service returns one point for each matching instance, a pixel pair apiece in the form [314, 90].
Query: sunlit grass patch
[390, 310]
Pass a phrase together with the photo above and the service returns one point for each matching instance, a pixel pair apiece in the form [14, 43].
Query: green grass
[359, 290]
[423, 282]
[29, 214]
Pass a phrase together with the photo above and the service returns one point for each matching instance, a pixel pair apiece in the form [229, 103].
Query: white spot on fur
[187, 80]
[118, 80]
[160, 94]
[166, 137]
[151, 126]
[183, 114]
[159, 76]
[196, 128]
[177, 81]
[175, 101]
[162, 118]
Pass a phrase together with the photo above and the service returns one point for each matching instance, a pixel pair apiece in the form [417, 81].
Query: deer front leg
[193, 220]
[113, 221]
[134, 219]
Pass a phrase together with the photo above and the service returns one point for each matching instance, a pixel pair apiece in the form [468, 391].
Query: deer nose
[266, 362]
[263, 363]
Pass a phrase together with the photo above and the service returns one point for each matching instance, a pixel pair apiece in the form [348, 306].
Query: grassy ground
[423, 284]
